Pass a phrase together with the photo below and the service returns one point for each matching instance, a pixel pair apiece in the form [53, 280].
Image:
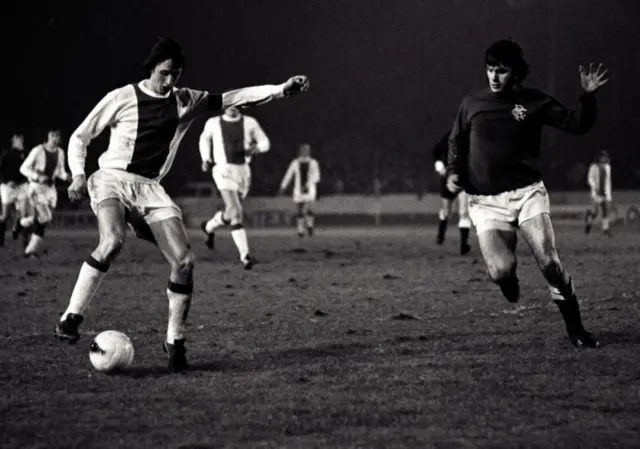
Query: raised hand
[594, 79]
[296, 84]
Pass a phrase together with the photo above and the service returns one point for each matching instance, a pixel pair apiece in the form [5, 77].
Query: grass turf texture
[354, 338]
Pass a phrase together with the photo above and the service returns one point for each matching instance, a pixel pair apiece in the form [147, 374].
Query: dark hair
[164, 48]
[508, 53]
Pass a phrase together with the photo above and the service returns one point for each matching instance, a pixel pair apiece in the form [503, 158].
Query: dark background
[387, 75]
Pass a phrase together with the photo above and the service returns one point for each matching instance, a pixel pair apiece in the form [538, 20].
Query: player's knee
[501, 269]
[552, 268]
[185, 263]
[234, 215]
[111, 244]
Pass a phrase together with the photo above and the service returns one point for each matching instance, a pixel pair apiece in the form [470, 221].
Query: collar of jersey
[151, 93]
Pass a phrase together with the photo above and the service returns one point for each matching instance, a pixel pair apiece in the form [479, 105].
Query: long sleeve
[61, 170]
[28, 165]
[206, 142]
[246, 96]
[288, 176]
[102, 115]
[574, 121]
[258, 135]
[592, 177]
[315, 172]
[440, 149]
[458, 151]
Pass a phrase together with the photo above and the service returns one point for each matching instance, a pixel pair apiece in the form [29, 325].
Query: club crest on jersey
[519, 112]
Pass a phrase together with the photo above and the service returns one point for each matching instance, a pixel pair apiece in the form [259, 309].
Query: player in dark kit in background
[494, 150]
[439, 153]
[13, 185]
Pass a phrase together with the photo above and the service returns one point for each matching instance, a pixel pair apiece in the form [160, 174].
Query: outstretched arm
[581, 119]
[257, 95]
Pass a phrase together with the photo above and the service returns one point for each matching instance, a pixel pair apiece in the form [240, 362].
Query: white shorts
[44, 199]
[304, 197]
[234, 177]
[507, 210]
[145, 198]
[11, 192]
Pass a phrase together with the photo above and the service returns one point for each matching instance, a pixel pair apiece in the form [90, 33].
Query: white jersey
[146, 128]
[41, 162]
[599, 180]
[305, 173]
[224, 140]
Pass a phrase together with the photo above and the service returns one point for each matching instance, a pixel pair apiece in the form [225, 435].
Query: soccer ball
[111, 351]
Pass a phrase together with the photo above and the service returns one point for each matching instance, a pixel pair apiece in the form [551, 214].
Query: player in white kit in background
[304, 171]
[227, 144]
[44, 164]
[13, 186]
[599, 180]
[147, 121]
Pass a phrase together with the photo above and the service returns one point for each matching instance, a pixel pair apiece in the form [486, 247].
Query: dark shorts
[444, 192]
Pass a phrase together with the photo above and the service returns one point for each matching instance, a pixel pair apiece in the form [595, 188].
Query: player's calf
[91, 274]
[464, 226]
[503, 273]
[563, 293]
[310, 222]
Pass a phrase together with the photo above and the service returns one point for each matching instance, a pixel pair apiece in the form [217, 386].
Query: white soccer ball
[111, 351]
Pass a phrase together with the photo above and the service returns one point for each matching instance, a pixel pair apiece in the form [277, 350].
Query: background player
[305, 173]
[494, 149]
[126, 188]
[43, 165]
[13, 186]
[227, 144]
[439, 153]
[599, 180]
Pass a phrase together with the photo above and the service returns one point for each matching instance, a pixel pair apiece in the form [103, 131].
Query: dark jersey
[495, 143]
[10, 162]
[440, 149]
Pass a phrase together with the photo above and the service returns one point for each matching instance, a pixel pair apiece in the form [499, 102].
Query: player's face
[54, 138]
[164, 77]
[232, 112]
[17, 142]
[305, 151]
[499, 77]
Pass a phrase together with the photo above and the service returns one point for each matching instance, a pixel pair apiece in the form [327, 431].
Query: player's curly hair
[163, 49]
[508, 53]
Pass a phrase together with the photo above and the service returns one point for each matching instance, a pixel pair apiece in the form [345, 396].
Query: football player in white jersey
[13, 186]
[599, 180]
[304, 171]
[42, 166]
[227, 144]
[147, 121]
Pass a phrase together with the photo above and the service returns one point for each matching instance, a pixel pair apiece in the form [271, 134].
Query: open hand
[593, 80]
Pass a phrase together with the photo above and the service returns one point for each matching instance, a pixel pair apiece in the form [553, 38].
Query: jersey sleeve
[288, 177]
[103, 115]
[206, 141]
[258, 135]
[28, 165]
[575, 121]
[458, 141]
